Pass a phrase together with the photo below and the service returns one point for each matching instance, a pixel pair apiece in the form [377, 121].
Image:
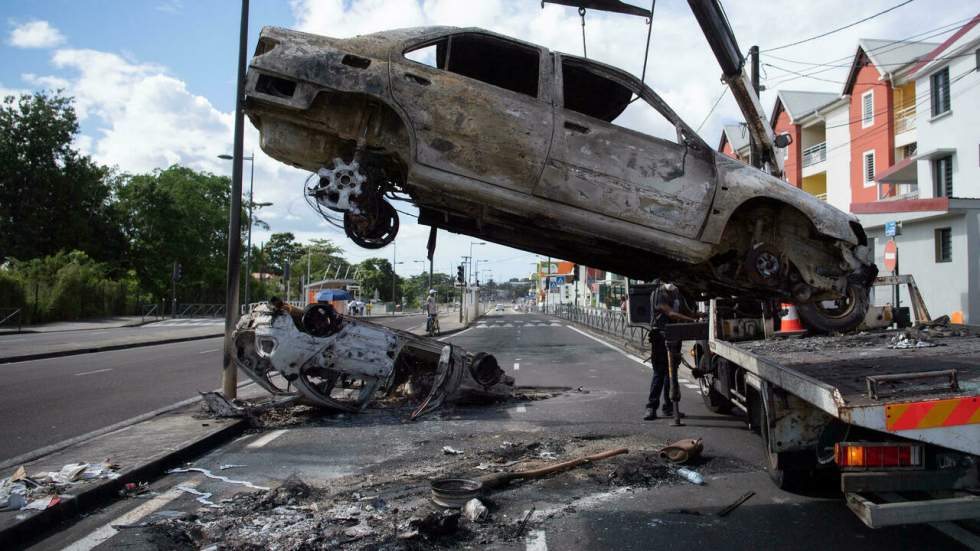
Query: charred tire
[847, 313]
[321, 320]
[713, 400]
[374, 230]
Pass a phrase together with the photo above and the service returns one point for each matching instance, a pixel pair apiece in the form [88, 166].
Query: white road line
[265, 439]
[458, 334]
[683, 380]
[521, 409]
[209, 351]
[598, 340]
[106, 531]
[692, 387]
[517, 366]
[536, 541]
[93, 372]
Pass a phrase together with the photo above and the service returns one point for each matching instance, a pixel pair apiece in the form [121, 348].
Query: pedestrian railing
[202, 311]
[613, 322]
[11, 315]
[152, 311]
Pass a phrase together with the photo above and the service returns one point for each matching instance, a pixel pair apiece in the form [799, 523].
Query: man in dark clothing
[669, 306]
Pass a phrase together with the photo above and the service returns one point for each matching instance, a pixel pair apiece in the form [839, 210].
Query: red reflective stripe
[912, 416]
[963, 412]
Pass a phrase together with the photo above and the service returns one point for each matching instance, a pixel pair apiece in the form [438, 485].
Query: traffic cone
[790, 323]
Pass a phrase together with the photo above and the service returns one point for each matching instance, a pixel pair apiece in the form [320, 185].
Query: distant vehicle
[499, 308]
[506, 141]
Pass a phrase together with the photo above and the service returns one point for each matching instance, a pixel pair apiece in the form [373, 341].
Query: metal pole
[229, 372]
[394, 252]
[248, 247]
[754, 153]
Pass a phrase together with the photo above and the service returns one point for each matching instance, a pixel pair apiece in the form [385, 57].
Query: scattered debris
[639, 469]
[475, 510]
[226, 467]
[23, 491]
[735, 504]
[683, 451]
[437, 523]
[209, 474]
[523, 524]
[498, 480]
[217, 405]
[454, 492]
[449, 450]
[204, 498]
[691, 476]
[135, 489]
[42, 503]
[906, 339]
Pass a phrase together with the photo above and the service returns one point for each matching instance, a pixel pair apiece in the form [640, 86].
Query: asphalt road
[574, 512]
[43, 402]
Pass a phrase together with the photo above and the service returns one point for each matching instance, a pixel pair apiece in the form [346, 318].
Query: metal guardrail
[815, 154]
[7, 314]
[607, 321]
[151, 311]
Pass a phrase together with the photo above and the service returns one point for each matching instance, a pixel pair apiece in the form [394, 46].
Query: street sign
[560, 280]
[553, 284]
[891, 229]
[891, 255]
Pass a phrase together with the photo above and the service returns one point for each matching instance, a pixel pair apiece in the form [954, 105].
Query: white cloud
[45, 82]
[4, 91]
[170, 6]
[36, 34]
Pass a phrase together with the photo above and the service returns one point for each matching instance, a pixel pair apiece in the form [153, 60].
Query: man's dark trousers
[660, 383]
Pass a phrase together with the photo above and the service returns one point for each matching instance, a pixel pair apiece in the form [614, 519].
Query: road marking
[517, 366]
[536, 541]
[598, 340]
[520, 409]
[106, 531]
[93, 372]
[460, 333]
[209, 351]
[265, 439]
[683, 380]
[692, 387]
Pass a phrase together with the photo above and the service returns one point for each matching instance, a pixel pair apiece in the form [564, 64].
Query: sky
[154, 80]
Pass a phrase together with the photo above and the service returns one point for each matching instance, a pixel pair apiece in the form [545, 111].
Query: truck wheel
[788, 479]
[713, 400]
[840, 315]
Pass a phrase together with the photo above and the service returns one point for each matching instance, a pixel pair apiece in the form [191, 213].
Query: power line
[717, 101]
[838, 29]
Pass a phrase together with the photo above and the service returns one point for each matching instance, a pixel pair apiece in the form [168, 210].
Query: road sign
[891, 229]
[891, 255]
[560, 280]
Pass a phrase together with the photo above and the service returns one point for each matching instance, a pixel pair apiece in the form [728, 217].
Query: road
[577, 510]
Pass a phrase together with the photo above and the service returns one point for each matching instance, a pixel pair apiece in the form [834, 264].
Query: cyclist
[432, 313]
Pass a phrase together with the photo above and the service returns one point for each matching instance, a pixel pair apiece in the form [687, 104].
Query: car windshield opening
[433, 55]
[494, 61]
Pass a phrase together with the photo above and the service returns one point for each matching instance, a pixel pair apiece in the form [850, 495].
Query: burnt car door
[599, 164]
[480, 106]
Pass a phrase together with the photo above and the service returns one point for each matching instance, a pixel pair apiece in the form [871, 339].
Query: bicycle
[432, 325]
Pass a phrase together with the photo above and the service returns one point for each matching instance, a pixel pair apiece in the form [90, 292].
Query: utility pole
[229, 371]
[755, 155]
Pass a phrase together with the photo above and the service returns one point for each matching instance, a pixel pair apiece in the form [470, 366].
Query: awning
[902, 172]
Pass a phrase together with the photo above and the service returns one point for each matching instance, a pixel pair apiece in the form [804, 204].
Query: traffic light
[175, 274]
[459, 274]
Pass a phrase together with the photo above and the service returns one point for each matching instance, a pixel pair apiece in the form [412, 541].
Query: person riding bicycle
[432, 311]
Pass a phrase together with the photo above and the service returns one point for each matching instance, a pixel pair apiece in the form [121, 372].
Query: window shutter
[867, 109]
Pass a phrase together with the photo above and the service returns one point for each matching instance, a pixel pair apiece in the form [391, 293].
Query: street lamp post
[229, 371]
[251, 203]
[471, 255]
[394, 276]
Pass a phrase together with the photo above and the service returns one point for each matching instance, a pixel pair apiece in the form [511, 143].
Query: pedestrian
[668, 307]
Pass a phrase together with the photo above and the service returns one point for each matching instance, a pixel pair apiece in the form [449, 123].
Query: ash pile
[320, 358]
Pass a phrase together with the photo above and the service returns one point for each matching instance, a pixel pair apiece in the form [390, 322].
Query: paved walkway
[82, 325]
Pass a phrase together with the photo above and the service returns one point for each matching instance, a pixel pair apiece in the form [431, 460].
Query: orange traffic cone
[790, 323]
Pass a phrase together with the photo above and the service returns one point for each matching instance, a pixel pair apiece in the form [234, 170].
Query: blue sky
[154, 79]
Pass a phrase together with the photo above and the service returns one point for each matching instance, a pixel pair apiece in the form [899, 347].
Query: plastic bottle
[692, 476]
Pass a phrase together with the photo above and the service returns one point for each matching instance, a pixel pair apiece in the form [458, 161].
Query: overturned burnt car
[345, 363]
[509, 142]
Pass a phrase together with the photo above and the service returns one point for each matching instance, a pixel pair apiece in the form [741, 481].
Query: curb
[36, 527]
[76, 351]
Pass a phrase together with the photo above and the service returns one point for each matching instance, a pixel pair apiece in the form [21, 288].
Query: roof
[888, 56]
[799, 103]
[735, 134]
[946, 44]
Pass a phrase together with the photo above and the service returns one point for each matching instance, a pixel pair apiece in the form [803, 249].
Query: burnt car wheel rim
[838, 308]
[375, 230]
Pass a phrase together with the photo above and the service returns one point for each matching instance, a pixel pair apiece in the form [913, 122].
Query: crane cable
[581, 13]
[646, 52]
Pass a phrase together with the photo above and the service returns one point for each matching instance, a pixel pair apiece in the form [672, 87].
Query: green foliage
[375, 274]
[51, 197]
[416, 289]
[281, 249]
[179, 215]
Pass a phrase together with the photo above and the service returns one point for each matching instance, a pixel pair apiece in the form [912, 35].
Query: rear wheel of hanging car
[843, 314]
[708, 365]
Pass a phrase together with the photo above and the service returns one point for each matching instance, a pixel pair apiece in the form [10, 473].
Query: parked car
[509, 142]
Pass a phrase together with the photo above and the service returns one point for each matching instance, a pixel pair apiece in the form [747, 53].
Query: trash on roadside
[135, 489]
[498, 480]
[204, 498]
[735, 504]
[42, 503]
[475, 510]
[683, 451]
[523, 524]
[226, 467]
[219, 406]
[691, 476]
[449, 450]
[454, 492]
[906, 340]
[358, 531]
[437, 523]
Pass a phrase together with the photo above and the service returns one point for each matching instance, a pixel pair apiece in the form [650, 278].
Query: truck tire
[840, 318]
[713, 400]
[784, 476]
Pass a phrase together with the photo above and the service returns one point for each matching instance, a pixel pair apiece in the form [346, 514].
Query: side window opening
[498, 62]
[596, 96]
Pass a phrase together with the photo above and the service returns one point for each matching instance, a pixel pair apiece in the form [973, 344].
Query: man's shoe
[671, 414]
[651, 415]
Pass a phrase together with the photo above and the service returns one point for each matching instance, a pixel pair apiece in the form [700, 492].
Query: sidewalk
[81, 325]
[53, 344]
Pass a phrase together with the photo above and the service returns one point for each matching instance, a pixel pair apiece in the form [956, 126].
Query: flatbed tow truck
[896, 412]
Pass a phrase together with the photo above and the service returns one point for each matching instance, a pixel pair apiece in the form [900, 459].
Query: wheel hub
[339, 188]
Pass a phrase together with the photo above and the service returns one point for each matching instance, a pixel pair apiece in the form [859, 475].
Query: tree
[281, 249]
[178, 215]
[51, 197]
[375, 275]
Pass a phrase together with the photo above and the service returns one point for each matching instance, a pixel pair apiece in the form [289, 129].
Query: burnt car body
[510, 142]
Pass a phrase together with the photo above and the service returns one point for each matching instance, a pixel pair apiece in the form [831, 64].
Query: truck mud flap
[890, 509]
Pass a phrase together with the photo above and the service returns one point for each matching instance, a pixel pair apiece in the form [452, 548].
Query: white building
[935, 193]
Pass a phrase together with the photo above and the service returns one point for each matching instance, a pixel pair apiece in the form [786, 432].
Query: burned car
[509, 142]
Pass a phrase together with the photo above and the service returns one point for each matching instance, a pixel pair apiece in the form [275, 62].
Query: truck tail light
[875, 455]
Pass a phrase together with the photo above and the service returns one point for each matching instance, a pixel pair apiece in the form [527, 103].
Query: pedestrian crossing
[491, 324]
[188, 322]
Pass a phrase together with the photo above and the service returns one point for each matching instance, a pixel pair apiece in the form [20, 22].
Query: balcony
[905, 119]
[815, 154]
